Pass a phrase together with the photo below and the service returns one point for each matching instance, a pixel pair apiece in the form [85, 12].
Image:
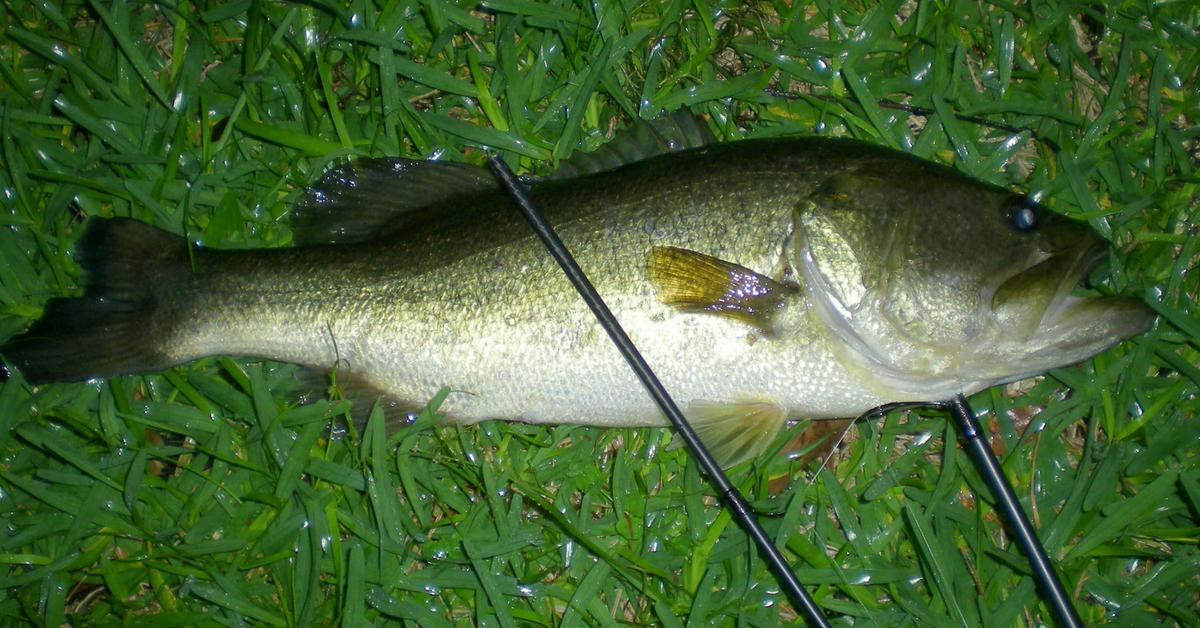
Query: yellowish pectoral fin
[701, 283]
[736, 432]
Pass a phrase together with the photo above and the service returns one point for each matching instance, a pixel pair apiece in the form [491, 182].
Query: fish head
[934, 283]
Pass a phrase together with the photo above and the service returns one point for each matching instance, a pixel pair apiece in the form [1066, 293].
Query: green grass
[207, 492]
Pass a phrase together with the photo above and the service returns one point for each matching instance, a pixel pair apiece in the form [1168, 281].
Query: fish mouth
[1041, 309]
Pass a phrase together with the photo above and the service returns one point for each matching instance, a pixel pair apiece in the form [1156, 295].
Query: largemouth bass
[762, 279]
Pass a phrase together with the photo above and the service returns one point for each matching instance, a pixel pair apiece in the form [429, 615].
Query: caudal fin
[111, 329]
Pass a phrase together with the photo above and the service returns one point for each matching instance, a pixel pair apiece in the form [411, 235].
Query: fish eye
[1022, 214]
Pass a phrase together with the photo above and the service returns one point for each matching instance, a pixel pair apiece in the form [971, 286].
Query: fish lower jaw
[894, 391]
[929, 377]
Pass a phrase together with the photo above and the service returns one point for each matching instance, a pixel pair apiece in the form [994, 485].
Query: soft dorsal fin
[680, 130]
[361, 199]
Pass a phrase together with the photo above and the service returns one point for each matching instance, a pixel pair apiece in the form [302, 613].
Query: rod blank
[977, 446]
[732, 497]
[1043, 570]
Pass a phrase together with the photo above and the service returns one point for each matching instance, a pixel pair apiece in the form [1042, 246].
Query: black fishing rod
[977, 446]
[733, 498]
[1006, 500]
[1043, 570]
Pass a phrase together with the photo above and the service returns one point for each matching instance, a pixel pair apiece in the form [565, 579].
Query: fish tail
[112, 329]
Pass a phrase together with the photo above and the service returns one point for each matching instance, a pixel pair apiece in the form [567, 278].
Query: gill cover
[930, 289]
[852, 248]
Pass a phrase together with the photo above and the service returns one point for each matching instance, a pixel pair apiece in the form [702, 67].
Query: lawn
[209, 494]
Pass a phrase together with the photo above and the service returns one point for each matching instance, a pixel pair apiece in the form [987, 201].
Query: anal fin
[736, 432]
[360, 391]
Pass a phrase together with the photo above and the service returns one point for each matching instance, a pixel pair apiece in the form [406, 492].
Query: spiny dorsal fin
[736, 432]
[696, 282]
[364, 198]
[680, 130]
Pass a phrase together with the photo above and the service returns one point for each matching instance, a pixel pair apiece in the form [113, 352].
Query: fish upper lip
[1084, 260]
[1066, 267]
[1092, 256]
[1061, 308]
